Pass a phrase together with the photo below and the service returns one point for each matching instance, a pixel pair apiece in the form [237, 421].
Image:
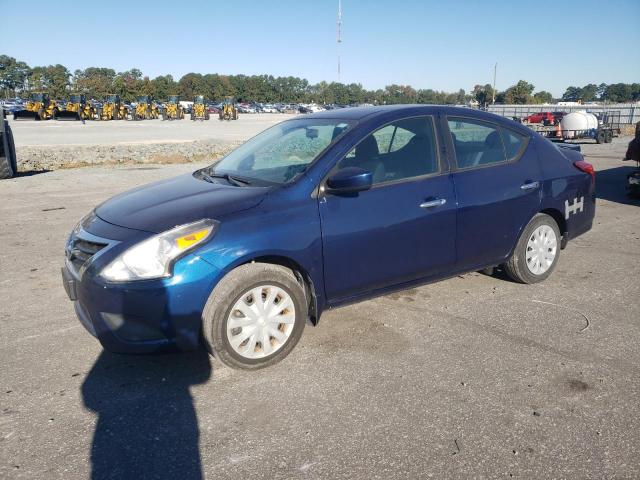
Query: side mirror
[349, 180]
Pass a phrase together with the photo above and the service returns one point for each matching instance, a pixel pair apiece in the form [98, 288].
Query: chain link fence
[629, 112]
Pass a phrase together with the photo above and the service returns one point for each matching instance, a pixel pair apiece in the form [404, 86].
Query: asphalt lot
[66, 132]
[472, 377]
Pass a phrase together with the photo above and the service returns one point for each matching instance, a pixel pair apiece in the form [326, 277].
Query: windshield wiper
[238, 182]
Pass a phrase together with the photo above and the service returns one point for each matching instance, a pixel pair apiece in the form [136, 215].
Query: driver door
[401, 229]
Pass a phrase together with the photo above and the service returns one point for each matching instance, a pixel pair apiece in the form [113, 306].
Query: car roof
[359, 113]
[370, 114]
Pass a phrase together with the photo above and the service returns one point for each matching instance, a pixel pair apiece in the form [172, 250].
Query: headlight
[153, 257]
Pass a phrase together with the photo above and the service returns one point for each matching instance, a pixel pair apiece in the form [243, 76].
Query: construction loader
[112, 108]
[172, 110]
[38, 107]
[77, 108]
[199, 110]
[145, 109]
[228, 110]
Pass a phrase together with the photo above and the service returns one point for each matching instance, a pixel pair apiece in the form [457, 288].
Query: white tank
[579, 120]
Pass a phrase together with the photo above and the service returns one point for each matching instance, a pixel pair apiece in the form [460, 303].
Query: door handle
[530, 185]
[433, 203]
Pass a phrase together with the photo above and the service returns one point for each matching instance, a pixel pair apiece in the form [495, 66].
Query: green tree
[94, 81]
[542, 97]
[13, 75]
[52, 78]
[520, 93]
[483, 94]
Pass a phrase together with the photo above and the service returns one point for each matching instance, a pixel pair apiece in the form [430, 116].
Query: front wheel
[537, 252]
[255, 316]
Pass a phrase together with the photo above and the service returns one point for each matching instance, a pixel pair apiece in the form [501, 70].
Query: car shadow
[30, 173]
[147, 425]
[611, 184]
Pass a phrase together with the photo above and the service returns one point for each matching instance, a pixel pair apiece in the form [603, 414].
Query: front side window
[283, 151]
[401, 150]
[476, 143]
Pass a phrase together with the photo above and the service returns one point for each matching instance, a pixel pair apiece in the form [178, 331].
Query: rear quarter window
[514, 143]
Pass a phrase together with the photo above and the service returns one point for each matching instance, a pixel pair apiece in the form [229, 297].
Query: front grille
[79, 251]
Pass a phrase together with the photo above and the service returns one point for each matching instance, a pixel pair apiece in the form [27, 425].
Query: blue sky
[444, 45]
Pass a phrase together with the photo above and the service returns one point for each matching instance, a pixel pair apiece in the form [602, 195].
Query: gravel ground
[51, 145]
[472, 377]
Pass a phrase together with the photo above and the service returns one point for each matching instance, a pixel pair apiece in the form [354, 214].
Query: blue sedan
[316, 212]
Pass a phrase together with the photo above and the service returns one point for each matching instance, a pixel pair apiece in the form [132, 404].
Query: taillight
[585, 167]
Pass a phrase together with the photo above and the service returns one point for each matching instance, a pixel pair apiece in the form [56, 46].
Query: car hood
[163, 205]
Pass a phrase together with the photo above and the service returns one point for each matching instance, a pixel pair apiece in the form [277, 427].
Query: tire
[40, 114]
[517, 267]
[235, 287]
[608, 136]
[6, 169]
[193, 117]
[600, 137]
[12, 150]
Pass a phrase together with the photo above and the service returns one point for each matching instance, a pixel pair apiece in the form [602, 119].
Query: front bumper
[143, 316]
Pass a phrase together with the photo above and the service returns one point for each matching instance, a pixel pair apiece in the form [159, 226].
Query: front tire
[255, 316]
[537, 252]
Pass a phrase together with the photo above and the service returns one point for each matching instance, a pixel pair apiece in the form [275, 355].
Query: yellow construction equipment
[145, 109]
[38, 107]
[199, 110]
[112, 109]
[172, 110]
[228, 110]
[77, 108]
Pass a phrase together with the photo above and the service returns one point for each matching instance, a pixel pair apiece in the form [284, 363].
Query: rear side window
[476, 143]
[513, 143]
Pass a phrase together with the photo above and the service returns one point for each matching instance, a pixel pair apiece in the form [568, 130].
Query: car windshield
[75, 99]
[173, 99]
[143, 99]
[111, 98]
[199, 99]
[281, 152]
[37, 97]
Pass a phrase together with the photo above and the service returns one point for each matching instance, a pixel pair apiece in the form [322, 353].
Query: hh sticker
[575, 207]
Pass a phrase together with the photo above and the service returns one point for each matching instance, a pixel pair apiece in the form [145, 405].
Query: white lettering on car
[575, 207]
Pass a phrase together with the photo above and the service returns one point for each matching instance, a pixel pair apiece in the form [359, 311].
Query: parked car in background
[545, 118]
[320, 211]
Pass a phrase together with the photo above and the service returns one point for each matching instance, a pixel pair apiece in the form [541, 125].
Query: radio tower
[339, 34]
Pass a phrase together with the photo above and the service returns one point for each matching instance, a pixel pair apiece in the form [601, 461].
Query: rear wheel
[537, 252]
[8, 163]
[608, 136]
[600, 137]
[255, 316]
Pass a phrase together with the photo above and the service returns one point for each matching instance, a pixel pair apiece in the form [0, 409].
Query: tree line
[18, 78]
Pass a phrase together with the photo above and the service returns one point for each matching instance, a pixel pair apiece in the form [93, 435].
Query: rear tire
[236, 289]
[600, 137]
[8, 163]
[542, 230]
[608, 136]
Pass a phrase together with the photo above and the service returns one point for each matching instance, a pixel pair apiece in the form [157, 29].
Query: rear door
[498, 185]
[403, 228]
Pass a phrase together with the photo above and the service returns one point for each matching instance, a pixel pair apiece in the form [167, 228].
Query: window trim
[455, 167]
[439, 171]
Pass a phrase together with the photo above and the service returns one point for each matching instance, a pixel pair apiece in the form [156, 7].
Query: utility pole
[339, 34]
[495, 69]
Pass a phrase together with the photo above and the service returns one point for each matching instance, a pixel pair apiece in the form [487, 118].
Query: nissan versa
[316, 212]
